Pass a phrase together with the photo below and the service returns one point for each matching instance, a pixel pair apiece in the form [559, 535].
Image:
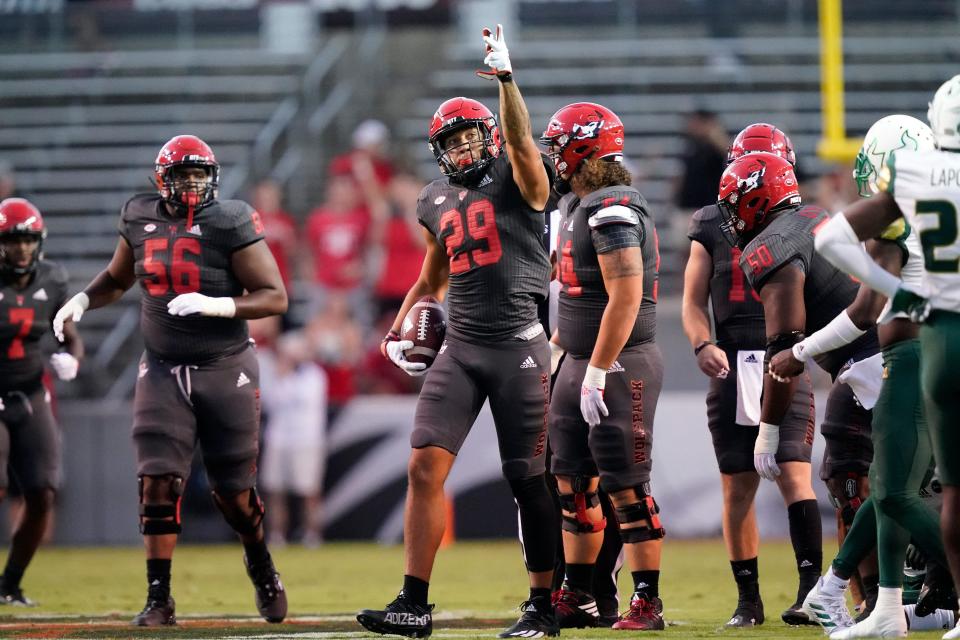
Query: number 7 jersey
[499, 269]
[926, 187]
[171, 259]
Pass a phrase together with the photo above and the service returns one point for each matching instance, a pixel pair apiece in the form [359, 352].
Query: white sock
[939, 619]
[889, 598]
[833, 585]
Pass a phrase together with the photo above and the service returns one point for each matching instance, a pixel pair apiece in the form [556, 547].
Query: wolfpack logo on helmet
[589, 130]
[752, 181]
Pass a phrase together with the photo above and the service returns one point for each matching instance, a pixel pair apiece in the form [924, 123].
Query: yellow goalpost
[834, 145]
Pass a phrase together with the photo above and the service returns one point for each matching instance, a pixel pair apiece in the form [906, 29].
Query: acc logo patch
[439, 199]
[150, 228]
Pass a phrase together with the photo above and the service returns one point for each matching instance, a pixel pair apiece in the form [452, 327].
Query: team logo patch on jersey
[149, 228]
[195, 230]
[41, 294]
[529, 363]
[439, 199]
[242, 379]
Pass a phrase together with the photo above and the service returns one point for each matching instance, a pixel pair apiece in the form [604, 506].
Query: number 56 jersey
[499, 269]
[926, 186]
[171, 259]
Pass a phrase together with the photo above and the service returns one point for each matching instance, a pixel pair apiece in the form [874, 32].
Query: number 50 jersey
[499, 269]
[171, 259]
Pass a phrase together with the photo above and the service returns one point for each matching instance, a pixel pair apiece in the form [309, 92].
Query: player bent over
[923, 188]
[605, 398]
[801, 293]
[194, 256]
[734, 364]
[31, 290]
[483, 224]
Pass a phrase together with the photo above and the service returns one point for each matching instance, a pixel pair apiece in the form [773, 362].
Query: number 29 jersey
[499, 268]
[926, 187]
[171, 259]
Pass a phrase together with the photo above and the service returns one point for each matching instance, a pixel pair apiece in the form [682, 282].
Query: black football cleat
[749, 613]
[937, 591]
[160, 610]
[270, 596]
[574, 608]
[13, 596]
[401, 618]
[536, 621]
[796, 616]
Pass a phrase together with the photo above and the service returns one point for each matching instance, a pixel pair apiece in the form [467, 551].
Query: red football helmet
[455, 114]
[581, 131]
[761, 136]
[751, 187]
[18, 217]
[187, 151]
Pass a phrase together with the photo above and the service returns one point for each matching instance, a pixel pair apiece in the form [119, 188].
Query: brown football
[424, 325]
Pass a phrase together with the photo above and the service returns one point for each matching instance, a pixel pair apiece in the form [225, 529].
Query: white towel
[749, 387]
[865, 377]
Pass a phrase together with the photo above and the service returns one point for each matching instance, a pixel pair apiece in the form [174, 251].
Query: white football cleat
[953, 634]
[885, 623]
[830, 612]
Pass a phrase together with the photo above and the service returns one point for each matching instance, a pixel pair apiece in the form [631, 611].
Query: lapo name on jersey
[406, 619]
[941, 177]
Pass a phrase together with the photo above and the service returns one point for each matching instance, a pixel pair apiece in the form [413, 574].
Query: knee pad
[154, 518]
[647, 511]
[577, 503]
[847, 493]
[245, 524]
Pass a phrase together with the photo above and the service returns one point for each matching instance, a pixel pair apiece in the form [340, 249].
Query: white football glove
[395, 352]
[497, 57]
[72, 310]
[592, 405]
[65, 365]
[187, 304]
[765, 451]
[556, 352]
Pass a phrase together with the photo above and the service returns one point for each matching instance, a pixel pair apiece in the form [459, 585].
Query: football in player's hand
[425, 325]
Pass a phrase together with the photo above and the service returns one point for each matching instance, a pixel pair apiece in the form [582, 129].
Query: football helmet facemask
[181, 191]
[452, 116]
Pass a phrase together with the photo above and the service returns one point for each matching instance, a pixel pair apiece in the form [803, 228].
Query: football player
[760, 205]
[923, 188]
[31, 290]
[733, 402]
[602, 412]
[198, 382]
[902, 452]
[483, 223]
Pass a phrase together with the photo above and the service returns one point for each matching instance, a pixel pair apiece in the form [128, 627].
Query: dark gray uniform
[29, 439]
[495, 347]
[739, 326]
[198, 378]
[788, 240]
[619, 449]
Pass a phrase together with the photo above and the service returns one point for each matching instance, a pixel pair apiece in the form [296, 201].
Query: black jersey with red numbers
[607, 220]
[499, 268]
[172, 259]
[737, 312]
[788, 241]
[25, 315]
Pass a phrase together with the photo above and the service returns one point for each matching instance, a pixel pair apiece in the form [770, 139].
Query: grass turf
[93, 592]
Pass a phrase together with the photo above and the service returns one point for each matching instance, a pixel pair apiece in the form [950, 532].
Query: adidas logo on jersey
[528, 363]
[751, 359]
[616, 367]
[41, 294]
[195, 230]
[486, 180]
[242, 379]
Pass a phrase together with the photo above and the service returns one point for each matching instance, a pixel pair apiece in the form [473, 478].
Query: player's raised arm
[528, 170]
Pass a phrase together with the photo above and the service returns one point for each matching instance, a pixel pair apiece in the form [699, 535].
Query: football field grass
[93, 592]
